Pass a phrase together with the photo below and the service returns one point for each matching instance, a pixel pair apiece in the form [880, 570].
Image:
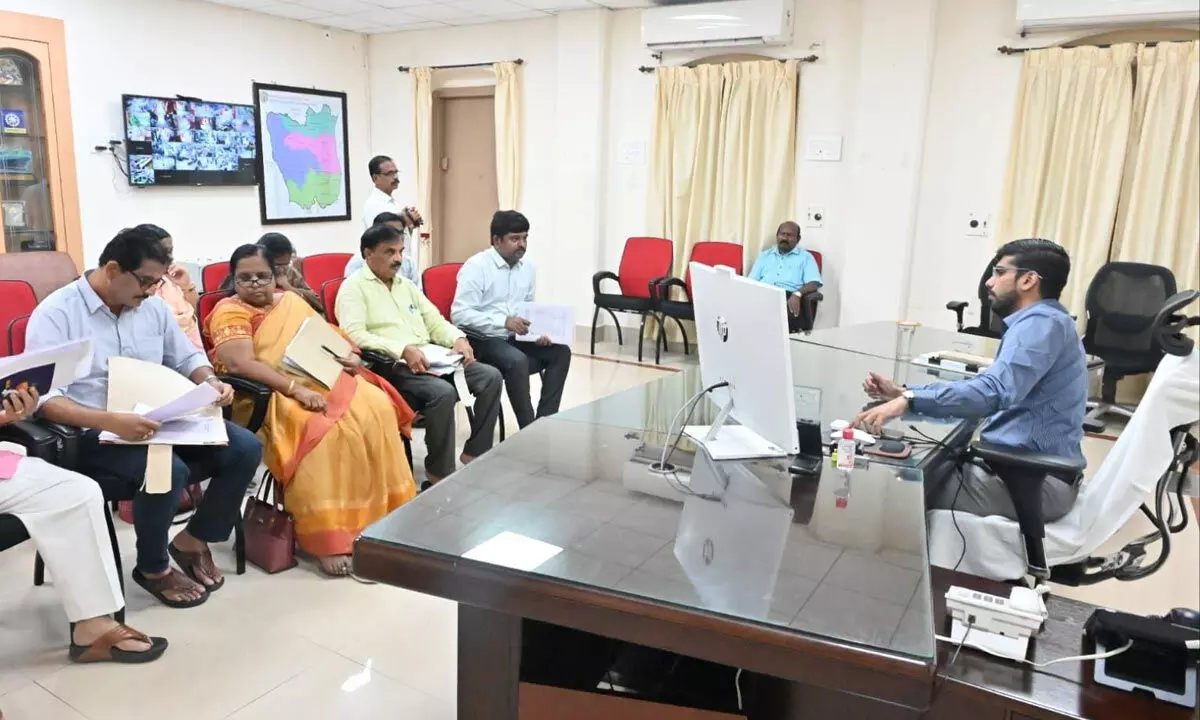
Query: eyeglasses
[253, 280]
[393, 173]
[147, 283]
[1000, 271]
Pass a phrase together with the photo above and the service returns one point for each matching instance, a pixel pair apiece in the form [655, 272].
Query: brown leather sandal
[105, 648]
[189, 561]
[159, 587]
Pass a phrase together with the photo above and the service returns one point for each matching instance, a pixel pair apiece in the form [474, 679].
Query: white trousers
[64, 515]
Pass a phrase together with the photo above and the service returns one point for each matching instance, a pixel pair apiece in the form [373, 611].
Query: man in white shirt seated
[404, 223]
[491, 285]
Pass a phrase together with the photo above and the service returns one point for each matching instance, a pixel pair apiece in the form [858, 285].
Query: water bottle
[845, 451]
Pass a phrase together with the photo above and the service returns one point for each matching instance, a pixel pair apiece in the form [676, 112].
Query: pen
[335, 355]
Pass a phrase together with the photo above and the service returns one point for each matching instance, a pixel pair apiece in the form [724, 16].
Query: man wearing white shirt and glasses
[386, 179]
[491, 285]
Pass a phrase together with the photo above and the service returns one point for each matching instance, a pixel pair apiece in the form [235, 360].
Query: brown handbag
[269, 531]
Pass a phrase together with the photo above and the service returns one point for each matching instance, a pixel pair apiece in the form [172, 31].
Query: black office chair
[40, 443]
[1122, 303]
[1023, 472]
[990, 324]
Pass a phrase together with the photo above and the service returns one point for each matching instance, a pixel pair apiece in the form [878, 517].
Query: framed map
[302, 151]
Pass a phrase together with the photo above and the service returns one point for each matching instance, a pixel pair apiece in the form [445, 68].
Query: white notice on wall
[631, 152]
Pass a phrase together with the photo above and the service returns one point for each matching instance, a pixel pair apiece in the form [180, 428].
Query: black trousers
[516, 361]
[120, 470]
[434, 397]
[804, 321]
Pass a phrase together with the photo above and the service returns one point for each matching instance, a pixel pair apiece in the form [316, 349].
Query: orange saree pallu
[341, 469]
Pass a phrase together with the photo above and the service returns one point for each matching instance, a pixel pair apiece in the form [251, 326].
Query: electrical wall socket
[823, 148]
[978, 224]
[815, 217]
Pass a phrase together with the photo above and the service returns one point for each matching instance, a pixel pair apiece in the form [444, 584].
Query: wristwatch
[212, 380]
[908, 395]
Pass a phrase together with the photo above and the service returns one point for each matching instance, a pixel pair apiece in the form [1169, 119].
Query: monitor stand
[732, 442]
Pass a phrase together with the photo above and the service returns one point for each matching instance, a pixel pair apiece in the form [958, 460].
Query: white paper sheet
[208, 429]
[551, 320]
[202, 396]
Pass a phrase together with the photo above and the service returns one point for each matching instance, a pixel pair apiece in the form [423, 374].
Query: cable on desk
[1074, 658]
[667, 470]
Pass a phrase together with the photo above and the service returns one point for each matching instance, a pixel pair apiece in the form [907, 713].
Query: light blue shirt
[148, 332]
[489, 291]
[407, 268]
[790, 272]
[1034, 394]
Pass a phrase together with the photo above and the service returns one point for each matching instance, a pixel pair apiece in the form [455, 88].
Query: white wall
[169, 47]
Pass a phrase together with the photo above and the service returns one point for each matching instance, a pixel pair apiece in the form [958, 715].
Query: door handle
[445, 164]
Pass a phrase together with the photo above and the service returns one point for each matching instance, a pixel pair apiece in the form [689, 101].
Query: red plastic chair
[705, 253]
[46, 271]
[16, 334]
[643, 262]
[817, 256]
[213, 275]
[208, 301]
[17, 299]
[440, 282]
[320, 269]
[329, 293]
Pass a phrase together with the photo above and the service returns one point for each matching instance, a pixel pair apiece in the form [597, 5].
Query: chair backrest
[16, 334]
[440, 282]
[820, 261]
[44, 271]
[213, 275]
[644, 259]
[329, 292]
[713, 254]
[208, 301]
[17, 299]
[320, 269]
[1122, 302]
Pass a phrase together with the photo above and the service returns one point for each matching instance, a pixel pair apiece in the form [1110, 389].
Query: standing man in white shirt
[386, 179]
[491, 285]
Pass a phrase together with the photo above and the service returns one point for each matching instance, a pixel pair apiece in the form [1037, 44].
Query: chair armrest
[68, 437]
[660, 289]
[259, 393]
[1028, 460]
[603, 275]
[37, 440]
[376, 360]
[957, 307]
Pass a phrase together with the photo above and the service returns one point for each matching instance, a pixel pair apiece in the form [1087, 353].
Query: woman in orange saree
[337, 453]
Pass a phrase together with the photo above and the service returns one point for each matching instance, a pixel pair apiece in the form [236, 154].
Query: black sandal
[158, 587]
[105, 649]
[188, 561]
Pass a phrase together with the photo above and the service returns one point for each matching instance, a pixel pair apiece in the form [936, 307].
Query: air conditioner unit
[718, 24]
[1110, 14]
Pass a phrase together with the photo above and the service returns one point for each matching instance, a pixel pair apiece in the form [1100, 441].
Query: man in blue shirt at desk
[491, 286]
[792, 268]
[1033, 396]
[113, 305]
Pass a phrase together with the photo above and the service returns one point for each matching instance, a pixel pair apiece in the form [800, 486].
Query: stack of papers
[185, 409]
[441, 360]
[314, 352]
[556, 322]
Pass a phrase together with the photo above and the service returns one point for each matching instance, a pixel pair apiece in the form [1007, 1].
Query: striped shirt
[1034, 395]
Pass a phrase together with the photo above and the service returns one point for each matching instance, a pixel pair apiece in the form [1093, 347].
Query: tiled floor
[299, 645]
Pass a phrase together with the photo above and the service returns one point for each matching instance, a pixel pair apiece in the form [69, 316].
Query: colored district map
[307, 156]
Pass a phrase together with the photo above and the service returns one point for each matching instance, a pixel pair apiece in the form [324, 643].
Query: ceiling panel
[381, 16]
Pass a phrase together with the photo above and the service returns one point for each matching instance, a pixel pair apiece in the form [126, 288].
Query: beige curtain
[1159, 219]
[422, 80]
[723, 157]
[1070, 133]
[508, 134]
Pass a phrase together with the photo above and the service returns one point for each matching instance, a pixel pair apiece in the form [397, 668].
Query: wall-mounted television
[169, 142]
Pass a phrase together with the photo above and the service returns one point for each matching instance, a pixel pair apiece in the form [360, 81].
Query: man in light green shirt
[382, 310]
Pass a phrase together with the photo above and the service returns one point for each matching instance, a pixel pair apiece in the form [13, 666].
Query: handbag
[270, 533]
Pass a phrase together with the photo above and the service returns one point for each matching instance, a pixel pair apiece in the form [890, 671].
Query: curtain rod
[406, 68]
[805, 59]
[1006, 50]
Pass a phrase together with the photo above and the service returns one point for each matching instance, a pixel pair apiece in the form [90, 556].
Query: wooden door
[39, 200]
[464, 189]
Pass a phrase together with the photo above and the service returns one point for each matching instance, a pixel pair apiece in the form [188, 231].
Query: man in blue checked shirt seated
[792, 268]
[1033, 396]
